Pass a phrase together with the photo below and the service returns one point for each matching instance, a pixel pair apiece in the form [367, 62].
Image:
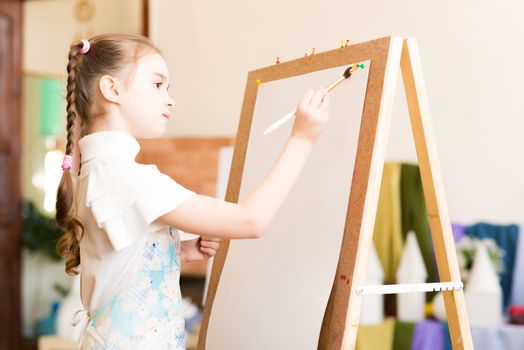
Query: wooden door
[10, 173]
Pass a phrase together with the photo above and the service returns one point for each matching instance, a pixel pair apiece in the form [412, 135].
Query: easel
[340, 326]
[387, 55]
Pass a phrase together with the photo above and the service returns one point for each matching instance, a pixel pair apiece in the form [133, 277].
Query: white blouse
[118, 201]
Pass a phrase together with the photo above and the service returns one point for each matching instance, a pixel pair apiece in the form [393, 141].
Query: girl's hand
[198, 249]
[312, 115]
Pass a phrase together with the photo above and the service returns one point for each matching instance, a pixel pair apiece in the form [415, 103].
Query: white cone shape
[483, 293]
[411, 269]
[372, 311]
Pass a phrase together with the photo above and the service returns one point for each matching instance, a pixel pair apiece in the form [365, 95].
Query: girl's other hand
[209, 246]
[198, 249]
[312, 115]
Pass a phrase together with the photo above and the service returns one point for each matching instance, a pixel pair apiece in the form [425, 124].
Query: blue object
[506, 238]
[517, 294]
[47, 324]
[447, 338]
[190, 323]
[428, 335]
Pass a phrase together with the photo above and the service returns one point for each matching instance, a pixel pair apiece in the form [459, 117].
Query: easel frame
[388, 56]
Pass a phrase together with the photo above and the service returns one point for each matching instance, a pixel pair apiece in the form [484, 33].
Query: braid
[72, 65]
[68, 245]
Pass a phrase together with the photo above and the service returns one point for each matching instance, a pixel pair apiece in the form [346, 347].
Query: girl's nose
[170, 101]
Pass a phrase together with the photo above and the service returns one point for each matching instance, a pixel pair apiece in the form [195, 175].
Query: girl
[119, 217]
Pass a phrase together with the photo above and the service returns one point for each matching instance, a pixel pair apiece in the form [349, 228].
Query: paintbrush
[329, 88]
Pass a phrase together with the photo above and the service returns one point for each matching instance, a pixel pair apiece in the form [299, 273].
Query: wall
[471, 53]
[50, 27]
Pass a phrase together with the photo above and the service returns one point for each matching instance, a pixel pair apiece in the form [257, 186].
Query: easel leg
[434, 195]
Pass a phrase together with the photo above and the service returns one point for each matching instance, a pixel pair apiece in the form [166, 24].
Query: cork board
[273, 293]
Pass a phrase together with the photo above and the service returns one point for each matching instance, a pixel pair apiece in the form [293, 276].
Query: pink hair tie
[85, 47]
[66, 163]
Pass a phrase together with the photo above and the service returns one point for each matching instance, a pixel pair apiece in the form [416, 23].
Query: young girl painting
[121, 219]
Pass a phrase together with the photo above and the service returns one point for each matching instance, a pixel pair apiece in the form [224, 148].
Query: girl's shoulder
[118, 169]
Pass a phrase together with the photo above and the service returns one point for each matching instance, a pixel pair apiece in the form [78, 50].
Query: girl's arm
[212, 217]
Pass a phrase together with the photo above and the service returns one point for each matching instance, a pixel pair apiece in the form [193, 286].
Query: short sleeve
[186, 236]
[126, 199]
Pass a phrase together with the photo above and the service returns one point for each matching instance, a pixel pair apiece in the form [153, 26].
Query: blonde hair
[109, 54]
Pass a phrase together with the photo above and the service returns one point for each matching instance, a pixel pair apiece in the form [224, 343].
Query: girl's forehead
[151, 64]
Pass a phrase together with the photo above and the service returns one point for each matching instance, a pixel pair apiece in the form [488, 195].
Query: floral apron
[146, 312]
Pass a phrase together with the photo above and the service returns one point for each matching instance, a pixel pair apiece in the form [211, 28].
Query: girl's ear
[110, 88]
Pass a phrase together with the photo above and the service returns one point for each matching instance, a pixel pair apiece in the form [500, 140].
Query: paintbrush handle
[281, 121]
[335, 83]
[291, 114]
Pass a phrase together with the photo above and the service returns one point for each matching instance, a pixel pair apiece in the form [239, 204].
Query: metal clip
[313, 51]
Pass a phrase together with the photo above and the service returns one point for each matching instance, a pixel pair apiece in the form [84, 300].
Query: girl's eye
[158, 85]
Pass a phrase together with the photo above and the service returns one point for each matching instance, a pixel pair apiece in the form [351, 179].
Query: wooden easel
[388, 56]
[340, 326]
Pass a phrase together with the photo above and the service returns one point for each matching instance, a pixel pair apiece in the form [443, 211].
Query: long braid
[68, 245]
[72, 65]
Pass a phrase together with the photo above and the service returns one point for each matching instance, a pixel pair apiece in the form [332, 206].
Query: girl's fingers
[306, 99]
[316, 100]
[208, 252]
[210, 239]
[325, 104]
[213, 245]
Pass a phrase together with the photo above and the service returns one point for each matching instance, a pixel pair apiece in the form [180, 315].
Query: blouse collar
[108, 143]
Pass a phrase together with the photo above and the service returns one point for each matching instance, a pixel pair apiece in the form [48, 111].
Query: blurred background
[471, 53]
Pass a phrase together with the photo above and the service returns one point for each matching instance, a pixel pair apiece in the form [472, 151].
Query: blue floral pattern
[147, 312]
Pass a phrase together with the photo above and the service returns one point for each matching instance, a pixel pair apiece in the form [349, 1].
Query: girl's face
[146, 103]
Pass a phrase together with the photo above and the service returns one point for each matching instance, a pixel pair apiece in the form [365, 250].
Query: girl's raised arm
[208, 216]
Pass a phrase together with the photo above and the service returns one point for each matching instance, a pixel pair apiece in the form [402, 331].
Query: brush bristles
[347, 72]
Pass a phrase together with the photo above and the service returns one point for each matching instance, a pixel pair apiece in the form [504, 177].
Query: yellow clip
[259, 83]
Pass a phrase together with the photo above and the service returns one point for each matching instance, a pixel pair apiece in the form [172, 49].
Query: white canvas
[273, 291]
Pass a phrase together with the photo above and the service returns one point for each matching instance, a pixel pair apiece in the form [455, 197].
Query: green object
[40, 232]
[403, 335]
[52, 107]
[60, 289]
[360, 65]
[415, 218]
